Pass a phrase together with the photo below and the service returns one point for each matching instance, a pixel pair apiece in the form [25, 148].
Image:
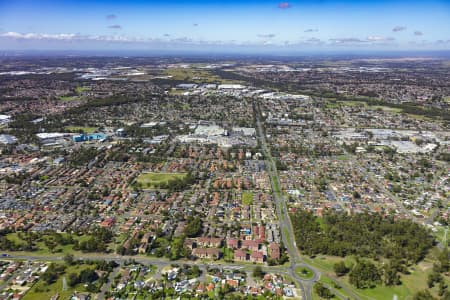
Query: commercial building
[90, 137]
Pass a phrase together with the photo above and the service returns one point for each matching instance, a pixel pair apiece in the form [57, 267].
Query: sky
[226, 26]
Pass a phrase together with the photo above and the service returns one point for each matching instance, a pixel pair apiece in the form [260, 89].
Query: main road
[287, 231]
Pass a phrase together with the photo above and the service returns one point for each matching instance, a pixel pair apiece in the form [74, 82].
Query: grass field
[247, 198]
[304, 272]
[387, 109]
[80, 89]
[353, 103]
[80, 128]
[343, 157]
[176, 92]
[69, 98]
[41, 290]
[411, 283]
[336, 104]
[152, 180]
[192, 75]
[329, 282]
[327, 262]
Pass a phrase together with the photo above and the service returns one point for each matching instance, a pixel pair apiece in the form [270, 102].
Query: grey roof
[7, 139]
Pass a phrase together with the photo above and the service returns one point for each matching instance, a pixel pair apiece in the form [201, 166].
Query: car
[5, 255]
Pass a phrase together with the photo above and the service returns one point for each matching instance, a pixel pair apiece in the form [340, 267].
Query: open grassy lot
[336, 104]
[69, 98]
[193, 75]
[42, 290]
[343, 157]
[176, 92]
[42, 245]
[154, 180]
[387, 109]
[338, 289]
[80, 128]
[352, 103]
[411, 283]
[247, 198]
[80, 89]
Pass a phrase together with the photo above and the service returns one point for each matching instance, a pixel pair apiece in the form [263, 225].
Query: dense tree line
[365, 235]
[369, 236]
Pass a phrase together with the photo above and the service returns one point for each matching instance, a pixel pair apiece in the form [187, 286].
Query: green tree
[88, 275]
[322, 291]
[423, 295]
[340, 268]
[72, 279]
[365, 275]
[69, 259]
[52, 273]
[434, 277]
[258, 272]
[391, 277]
[193, 226]
[442, 288]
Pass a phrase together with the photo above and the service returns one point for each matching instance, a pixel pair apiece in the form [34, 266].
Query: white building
[231, 87]
[4, 119]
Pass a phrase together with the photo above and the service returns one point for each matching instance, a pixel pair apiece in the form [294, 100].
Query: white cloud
[264, 40]
[38, 36]
[70, 37]
[347, 41]
[377, 38]
[266, 36]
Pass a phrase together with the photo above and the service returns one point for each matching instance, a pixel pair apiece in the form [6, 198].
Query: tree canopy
[364, 235]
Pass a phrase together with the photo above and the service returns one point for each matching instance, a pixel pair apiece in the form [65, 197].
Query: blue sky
[225, 25]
